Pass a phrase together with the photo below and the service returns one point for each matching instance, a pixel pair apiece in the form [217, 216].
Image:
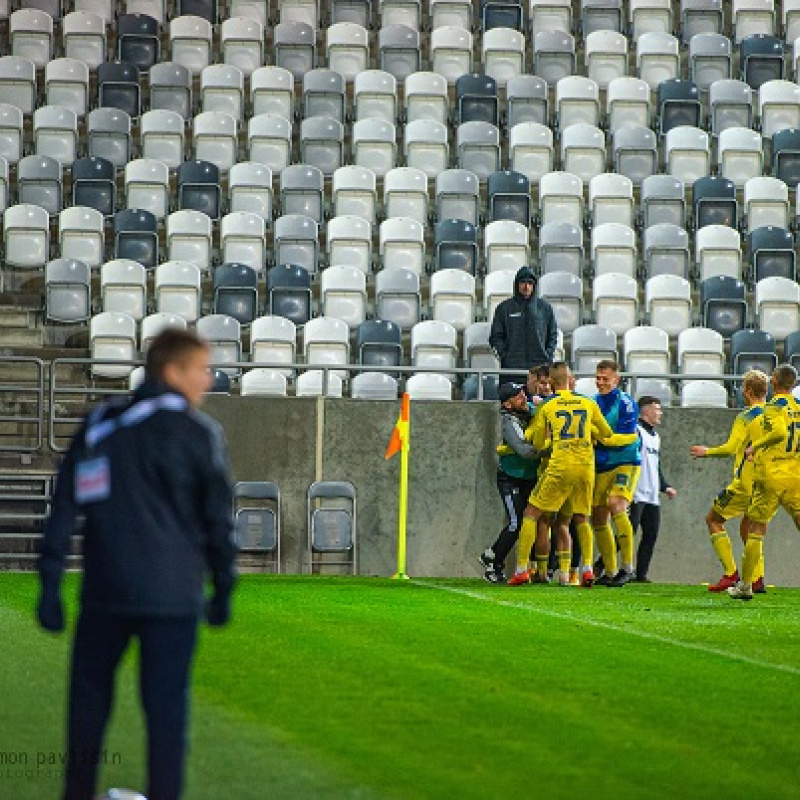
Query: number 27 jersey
[569, 418]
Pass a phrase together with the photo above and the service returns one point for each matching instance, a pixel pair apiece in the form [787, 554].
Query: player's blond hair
[756, 382]
[559, 375]
[785, 377]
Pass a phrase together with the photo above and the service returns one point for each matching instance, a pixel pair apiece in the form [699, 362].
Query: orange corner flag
[399, 439]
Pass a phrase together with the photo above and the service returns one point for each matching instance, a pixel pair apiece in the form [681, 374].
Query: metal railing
[24, 500]
[68, 403]
[22, 411]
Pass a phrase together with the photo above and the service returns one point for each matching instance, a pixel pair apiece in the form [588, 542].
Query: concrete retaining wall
[454, 509]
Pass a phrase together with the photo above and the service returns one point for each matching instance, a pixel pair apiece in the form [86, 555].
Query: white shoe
[741, 591]
[563, 578]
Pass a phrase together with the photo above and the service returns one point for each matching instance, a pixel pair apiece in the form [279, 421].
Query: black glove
[50, 611]
[218, 609]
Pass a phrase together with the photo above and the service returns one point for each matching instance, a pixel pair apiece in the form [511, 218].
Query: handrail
[68, 392]
[19, 391]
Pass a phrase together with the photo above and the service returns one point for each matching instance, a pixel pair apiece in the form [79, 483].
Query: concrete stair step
[49, 352]
[42, 465]
[20, 300]
[16, 318]
[20, 336]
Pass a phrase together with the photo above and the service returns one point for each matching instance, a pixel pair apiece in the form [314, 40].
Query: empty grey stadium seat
[332, 525]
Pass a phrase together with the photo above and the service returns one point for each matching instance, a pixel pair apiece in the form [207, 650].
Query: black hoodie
[524, 332]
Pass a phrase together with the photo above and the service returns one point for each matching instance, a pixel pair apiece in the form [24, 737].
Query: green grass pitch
[369, 688]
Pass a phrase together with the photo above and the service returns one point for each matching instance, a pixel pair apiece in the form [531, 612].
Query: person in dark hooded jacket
[524, 330]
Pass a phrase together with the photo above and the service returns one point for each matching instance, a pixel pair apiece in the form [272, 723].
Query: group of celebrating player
[570, 459]
[583, 462]
[765, 445]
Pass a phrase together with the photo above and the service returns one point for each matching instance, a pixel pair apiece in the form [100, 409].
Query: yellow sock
[760, 567]
[527, 536]
[564, 560]
[607, 547]
[622, 522]
[541, 565]
[586, 540]
[721, 543]
[753, 553]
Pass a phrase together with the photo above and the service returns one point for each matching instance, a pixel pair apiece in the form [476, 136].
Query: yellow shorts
[733, 501]
[619, 482]
[555, 489]
[771, 494]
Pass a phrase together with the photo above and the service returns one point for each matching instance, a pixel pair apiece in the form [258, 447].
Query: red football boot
[519, 579]
[725, 583]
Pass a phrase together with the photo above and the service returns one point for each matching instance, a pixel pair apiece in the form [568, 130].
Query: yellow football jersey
[777, 450]
[568, 419]
[746, 428]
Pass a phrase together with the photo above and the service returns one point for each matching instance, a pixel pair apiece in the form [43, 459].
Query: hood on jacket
[523, 273]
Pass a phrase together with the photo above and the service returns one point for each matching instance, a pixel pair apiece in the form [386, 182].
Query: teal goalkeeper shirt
[523, 463]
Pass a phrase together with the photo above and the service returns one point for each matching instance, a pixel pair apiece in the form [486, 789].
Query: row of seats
[376, 385]
[657, 64]
[425, 96]
[452, 296]
[634, 150]
[406, 192]
[271, 90]
[116, 337]
[378, 344]
[747, 17]
[613, 247]
[243, 238]
[449, 48]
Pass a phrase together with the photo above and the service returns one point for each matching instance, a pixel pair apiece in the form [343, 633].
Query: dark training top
[524, 331]
[154, 504]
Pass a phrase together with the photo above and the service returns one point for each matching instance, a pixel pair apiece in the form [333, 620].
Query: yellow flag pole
[404, 423]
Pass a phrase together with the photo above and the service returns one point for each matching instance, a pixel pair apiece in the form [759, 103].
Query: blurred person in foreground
[146, 480]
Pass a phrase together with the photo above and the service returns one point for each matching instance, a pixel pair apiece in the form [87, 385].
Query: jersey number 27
[574, 424]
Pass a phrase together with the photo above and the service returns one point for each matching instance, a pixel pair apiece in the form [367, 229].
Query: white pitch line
[611, 627]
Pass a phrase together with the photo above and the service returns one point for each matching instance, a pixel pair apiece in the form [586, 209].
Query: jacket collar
[152, 388]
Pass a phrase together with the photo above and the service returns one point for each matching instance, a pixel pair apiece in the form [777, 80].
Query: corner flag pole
[401, 442]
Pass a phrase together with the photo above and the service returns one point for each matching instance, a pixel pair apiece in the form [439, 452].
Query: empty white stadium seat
[701, 352]
[646, 350]
[112, 337]
[429, 386]
[703, 394]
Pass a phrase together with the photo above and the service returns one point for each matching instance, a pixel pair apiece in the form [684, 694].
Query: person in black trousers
[149, 477]
[646, 507]
[517, 466]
